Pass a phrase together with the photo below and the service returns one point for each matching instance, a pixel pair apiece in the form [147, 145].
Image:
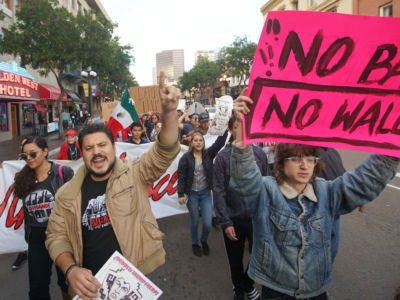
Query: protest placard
[220, 122]
[327, 79]
[123, 281]
[147, 98]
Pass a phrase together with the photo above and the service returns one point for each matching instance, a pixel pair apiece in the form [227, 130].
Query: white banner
[163, 194]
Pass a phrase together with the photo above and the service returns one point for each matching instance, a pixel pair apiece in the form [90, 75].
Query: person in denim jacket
[293, 213]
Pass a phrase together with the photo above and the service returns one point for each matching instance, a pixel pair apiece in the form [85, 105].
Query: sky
[151, 26]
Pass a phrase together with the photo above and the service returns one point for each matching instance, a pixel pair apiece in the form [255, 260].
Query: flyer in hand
[122, 281]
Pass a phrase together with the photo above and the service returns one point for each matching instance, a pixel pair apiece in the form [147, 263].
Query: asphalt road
[367, 267]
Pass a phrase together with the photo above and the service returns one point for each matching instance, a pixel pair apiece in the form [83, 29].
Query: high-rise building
[172, 62]
[210, 54]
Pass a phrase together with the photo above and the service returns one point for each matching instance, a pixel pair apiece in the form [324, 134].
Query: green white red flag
[123, 115]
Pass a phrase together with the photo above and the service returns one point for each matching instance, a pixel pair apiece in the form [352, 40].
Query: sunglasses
[32, 154]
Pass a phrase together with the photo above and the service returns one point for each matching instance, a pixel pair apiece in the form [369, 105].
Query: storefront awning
[40, 108]
[72, 96]
[49, 92]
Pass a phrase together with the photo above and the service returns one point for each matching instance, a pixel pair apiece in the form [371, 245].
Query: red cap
[71, 132]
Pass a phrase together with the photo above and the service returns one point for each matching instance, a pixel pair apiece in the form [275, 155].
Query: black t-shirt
[39, 204]
[99, 240]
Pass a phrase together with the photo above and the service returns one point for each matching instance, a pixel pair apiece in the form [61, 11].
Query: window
[79, 7]
[3, 117]
[386, 10]
[312, 2]
[295, 5]
[71, 3]
[28, 114]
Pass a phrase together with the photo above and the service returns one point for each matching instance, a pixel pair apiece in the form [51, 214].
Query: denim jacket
[292, 237]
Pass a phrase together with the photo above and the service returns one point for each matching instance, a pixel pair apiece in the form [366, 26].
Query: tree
[203, 75]
[45, 37]
[51, 40]
[111, 60]
[236, 60]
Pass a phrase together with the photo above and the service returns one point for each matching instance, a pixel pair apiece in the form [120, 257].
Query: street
[367, 267]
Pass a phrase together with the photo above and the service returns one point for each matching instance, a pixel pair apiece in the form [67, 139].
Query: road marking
[393, 186]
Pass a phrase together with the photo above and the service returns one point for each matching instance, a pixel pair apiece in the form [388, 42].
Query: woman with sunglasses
[36, 185]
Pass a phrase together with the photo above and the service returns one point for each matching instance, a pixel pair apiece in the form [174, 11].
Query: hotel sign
[13, 86]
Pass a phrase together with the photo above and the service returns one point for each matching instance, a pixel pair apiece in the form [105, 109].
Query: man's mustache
[98, 156]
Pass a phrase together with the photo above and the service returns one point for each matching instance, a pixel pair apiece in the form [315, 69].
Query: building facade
[210, 54]
[24, 93]
[172, 62]
[339, 6]
[383, 8]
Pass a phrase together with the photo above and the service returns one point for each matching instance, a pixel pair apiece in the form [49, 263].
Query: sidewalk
[10, 149]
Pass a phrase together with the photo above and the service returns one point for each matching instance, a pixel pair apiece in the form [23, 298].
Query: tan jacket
[128, 207]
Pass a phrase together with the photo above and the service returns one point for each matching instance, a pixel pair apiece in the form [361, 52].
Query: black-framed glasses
[308, 159]
[32, 154]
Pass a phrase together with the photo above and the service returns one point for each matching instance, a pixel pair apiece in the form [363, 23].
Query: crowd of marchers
[285, 200]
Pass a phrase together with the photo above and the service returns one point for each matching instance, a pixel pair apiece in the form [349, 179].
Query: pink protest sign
[327, 79]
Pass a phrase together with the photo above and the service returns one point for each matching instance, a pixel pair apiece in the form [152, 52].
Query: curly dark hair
[26, 179]
[283, 151]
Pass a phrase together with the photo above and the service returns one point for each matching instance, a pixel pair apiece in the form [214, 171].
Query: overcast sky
[152, 26]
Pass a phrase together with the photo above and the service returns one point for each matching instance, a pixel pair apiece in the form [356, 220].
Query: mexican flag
[123, 115]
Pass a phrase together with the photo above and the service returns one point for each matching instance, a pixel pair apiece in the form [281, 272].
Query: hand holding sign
[83, 283]
[239, 108]
[240, 105]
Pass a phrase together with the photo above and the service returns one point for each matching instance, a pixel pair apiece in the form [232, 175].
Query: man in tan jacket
[105, 206]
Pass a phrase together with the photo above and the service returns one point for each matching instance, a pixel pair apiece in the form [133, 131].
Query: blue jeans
[200, 200]
[42, 130]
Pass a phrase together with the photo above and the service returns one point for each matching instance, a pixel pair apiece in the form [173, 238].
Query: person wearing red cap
[70, 148]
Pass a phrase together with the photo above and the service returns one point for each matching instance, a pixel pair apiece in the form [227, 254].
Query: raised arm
[181, 120]
[363, 184]
[156, 161]
[169, 96]
[246, 179]
[217, 145]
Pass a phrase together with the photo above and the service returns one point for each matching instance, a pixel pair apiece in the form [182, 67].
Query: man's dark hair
[94, 128]
[285, 150]
[135, 124]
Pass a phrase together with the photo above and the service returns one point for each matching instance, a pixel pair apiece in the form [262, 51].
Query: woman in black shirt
[36, 186]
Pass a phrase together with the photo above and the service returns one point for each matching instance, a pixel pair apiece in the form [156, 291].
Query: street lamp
[89, 74]
[225, 81]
